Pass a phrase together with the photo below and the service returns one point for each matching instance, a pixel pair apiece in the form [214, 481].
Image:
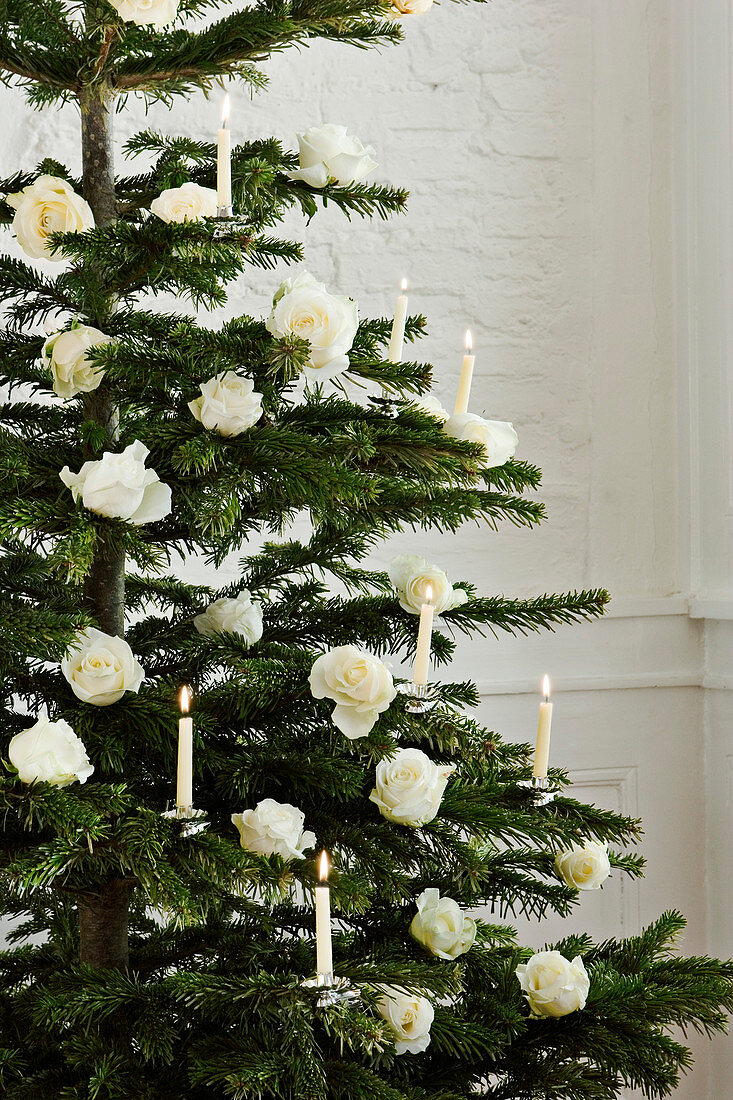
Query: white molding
[711, 607]
[717, 683]
[625, 781]
[687, 678]
[703, 178]
[643, 607]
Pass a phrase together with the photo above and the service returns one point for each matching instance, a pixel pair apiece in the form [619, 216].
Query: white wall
[561, 209]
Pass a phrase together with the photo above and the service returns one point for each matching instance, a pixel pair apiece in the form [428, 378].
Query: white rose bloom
[409, 787]
[241, 615]
[442, 926]
[431, 405]
[409, 1016]
[411, 575]
[303, 307]
[65, 354]
[554, 986]
[584, 866]
[330, 154]
[50, 752]
[118, 486]
[101, 668]
[498, 437]
[229, 404]
[147, 13]
[274, 828]
[360, 685]
[400, 8]
[48, 205]
[187, 203]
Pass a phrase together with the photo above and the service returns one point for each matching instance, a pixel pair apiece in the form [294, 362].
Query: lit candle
[464, 382]
[184, 792]
[397, 339]
[424, 637]
[324, 954]
[542, 752]
[224, 162]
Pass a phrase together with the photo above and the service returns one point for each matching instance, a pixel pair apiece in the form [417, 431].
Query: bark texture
[103, 926]
[103, 915]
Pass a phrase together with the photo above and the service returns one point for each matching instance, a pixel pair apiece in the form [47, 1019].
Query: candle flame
[469, 341]
[546, 688]
[403, 285]
[185, 699]
[323, 866]
[428, 593]
[225, 108]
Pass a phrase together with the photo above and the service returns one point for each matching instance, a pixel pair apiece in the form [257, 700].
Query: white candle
[324, 954]
[464, 382]
[424, 638]
[397, 339]
[184, 789]
[224, 159]
[542, 752]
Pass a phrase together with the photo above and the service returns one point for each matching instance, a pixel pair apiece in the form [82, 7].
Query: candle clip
[539, 786]
[333, 991]
[388, 405]
[191, 820]
[421, 698]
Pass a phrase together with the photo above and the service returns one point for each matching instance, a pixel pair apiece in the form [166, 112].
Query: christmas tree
[162, 953]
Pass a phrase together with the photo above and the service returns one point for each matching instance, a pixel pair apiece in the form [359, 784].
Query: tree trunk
[103, 926]
[96, 152]
[103, 916]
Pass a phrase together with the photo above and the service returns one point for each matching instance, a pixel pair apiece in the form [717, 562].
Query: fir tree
[153, 962]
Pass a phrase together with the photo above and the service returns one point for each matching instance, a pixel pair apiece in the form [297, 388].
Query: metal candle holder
[420, 697]
[192, 821]
[542, 792]
[225, 212]
[333, 991]
[388, 406]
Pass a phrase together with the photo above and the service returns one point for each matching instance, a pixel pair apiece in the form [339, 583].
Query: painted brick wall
[531, 135]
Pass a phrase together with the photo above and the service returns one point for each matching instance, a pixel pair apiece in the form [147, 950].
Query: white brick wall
[525, 134]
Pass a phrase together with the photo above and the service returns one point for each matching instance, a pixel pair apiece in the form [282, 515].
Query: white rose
[65, 354]
[118, 486]
[329, 154]
[498, 437]
[49, 752]
[401, 8]
[411, 575]
[359, 684]
[409, 1016]
[241, 615]
[554, 986]
[442, 926]
[584, 866]
[187, 203]
[303, 307]
[431, 405]
[274, 828]
[229, 404]
[147, 13]
[101, 668]
[409, 787]
[48, 205]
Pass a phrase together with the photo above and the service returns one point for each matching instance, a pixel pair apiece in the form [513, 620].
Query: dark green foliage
[212, 1006]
